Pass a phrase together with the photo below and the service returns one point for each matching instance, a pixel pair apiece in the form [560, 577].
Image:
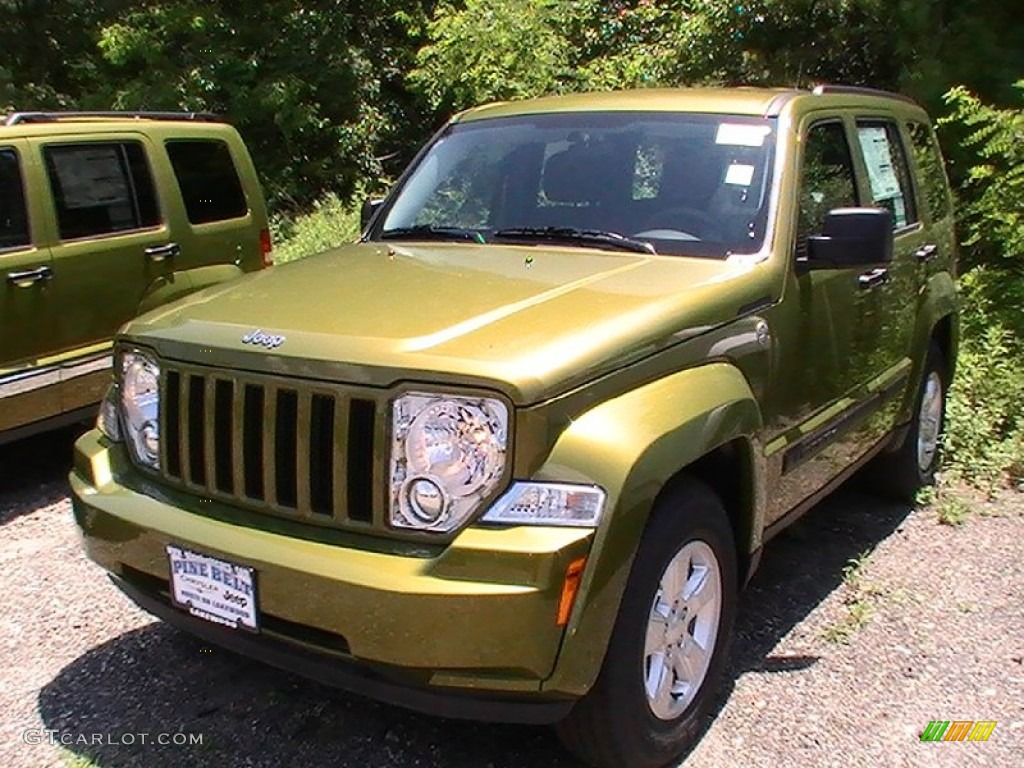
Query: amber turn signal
[571, 585]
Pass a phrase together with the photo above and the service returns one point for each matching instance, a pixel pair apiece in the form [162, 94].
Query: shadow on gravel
[800, 568]
[155, 680]
[34, 471]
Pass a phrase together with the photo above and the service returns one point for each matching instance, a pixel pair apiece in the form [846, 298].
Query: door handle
[875, 277]
[926, 252]
[161, 252]
[29, 277]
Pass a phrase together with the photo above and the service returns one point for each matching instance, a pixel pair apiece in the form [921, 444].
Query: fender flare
[632, 446]
[941, 301]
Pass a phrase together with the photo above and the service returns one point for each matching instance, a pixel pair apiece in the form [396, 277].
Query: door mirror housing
[851, 237]
[370, 207]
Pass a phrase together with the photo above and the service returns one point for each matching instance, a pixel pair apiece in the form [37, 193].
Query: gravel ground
[827, 669]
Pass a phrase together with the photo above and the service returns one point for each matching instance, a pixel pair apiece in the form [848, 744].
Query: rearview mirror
[851, 237]
[370, 208]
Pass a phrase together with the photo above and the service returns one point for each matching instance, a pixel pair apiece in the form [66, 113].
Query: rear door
[112, 237]
[223, 217]
[886, 183]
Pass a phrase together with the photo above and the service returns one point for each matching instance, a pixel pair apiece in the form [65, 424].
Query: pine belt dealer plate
[213, 589]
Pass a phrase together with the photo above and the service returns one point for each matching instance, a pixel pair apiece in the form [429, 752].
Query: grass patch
[952, 510]
[330, 224]
[71, 760]
[857, 602]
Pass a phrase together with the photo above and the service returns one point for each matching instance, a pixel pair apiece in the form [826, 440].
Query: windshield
[666, 182]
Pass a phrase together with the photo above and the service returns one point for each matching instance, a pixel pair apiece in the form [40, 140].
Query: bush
[328, 225]
[984, 440]
[985, 429]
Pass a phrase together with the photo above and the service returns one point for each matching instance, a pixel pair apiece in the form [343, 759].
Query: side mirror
[851, 237]
[369, 210]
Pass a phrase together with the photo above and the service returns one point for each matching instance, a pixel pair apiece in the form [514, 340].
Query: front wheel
[669, 642]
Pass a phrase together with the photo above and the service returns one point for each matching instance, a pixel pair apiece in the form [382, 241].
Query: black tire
[898, 475]
[614, 725]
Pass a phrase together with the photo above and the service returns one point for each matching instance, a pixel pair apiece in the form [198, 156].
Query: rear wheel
[899, 475]
[670, 639]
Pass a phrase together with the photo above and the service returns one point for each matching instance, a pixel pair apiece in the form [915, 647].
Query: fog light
[427, 501]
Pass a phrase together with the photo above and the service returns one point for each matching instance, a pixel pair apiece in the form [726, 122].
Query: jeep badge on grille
[268, 340]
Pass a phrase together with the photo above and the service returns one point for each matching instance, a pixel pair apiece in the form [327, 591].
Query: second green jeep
[104, 215]
[514, 454]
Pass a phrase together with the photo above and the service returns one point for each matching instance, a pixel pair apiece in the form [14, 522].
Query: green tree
[316, 87]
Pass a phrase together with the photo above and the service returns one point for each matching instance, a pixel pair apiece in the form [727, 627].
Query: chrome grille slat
[274, 445]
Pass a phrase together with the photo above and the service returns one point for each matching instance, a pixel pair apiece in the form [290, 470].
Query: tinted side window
[929, 161]
[826, 179]
[99, 189]
[208, 180]
[13, 216]
[887, 170]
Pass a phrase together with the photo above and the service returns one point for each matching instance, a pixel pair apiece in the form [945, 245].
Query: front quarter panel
[631, 446]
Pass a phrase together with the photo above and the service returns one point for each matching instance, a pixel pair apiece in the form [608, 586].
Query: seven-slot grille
[294, 448]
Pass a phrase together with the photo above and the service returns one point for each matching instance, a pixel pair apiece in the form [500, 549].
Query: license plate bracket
[213, 589]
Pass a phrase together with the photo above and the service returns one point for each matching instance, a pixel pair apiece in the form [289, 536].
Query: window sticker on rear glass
[90, 176]
[740, 135]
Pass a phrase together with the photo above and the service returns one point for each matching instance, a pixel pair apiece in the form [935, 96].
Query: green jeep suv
[513, 455]
[104, 215]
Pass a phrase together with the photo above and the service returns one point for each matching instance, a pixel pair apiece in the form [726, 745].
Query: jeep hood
[530, 321]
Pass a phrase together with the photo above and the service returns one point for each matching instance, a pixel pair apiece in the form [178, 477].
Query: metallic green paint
[623, 370]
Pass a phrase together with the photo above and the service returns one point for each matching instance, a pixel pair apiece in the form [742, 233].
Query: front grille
[293, 448]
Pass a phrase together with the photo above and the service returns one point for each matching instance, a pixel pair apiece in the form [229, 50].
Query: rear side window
[888, 174]
[101, 189]
[13, 216]
[933, 177]
[208, 180]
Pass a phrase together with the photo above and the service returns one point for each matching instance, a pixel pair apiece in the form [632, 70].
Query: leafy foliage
[312, 99]
[985, 436]
[993, 217]
[328, 225]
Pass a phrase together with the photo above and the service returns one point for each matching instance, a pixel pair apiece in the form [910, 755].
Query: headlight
[447, 455]
[107, 420]
[548, 504]
[140, 406]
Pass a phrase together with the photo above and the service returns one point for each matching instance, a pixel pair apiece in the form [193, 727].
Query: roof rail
[51, 117]
[824, 88]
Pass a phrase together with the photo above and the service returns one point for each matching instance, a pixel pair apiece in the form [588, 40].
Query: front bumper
[467, 630]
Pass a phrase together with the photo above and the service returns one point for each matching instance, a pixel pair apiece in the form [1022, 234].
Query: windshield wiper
[432, 232]
[571, 234]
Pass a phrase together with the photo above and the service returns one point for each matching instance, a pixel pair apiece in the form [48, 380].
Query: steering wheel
[686, 221]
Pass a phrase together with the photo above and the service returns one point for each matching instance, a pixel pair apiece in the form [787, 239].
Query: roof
[28, 124]
[754, 102]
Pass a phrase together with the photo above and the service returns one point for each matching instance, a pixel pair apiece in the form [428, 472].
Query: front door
[24, 268]
[25, 297]
[832, 320]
